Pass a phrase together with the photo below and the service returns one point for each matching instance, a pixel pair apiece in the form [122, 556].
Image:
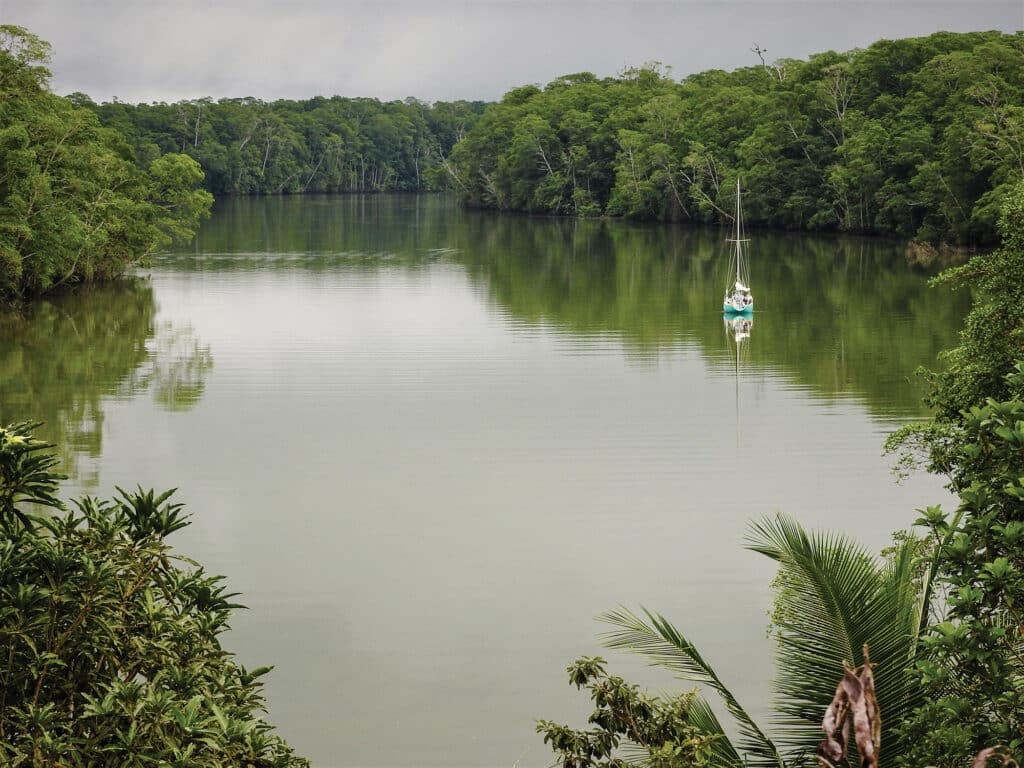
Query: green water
[429, 445]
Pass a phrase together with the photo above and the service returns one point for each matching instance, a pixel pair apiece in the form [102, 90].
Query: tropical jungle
[113, 643]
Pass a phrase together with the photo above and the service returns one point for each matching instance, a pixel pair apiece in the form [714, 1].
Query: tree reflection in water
[847, 317]
[62, 358]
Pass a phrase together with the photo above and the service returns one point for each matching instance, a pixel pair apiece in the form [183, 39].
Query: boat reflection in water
[738, 328]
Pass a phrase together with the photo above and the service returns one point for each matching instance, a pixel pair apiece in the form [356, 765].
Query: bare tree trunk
[322, 155]
[451, 172]
[266, 156]
[280, 188]
[241, 162]
[838, 89]
[544, 157]
[492, 188]
[632, 169]
[675, 190]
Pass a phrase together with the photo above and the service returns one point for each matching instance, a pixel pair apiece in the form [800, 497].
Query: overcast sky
[145, 50]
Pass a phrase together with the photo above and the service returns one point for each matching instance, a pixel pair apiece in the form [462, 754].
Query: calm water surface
[429, 445]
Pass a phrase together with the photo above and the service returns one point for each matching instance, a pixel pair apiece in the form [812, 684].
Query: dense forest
[247, 146]
[74, 205]
[917, 138]
[88, 190]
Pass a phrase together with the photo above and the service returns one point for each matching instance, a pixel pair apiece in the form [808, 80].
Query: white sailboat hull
[732, 307]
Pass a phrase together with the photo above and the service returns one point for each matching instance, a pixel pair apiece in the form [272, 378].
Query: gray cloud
[445, 49]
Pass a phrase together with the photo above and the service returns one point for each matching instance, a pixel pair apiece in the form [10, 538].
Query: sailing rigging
[738, 298]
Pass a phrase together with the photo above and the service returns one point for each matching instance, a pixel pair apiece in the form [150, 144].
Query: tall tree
[73, 204]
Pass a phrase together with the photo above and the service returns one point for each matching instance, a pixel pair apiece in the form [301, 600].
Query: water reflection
[738, 331]
[63, 358]
[176, 368]
[845, 317]
[842, 317]
[316, 232]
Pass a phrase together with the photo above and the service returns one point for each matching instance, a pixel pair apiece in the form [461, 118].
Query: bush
[110, 648]
[673, 731]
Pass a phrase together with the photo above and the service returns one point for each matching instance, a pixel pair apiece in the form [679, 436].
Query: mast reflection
[738, 329]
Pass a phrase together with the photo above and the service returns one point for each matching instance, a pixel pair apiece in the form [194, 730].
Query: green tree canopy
[248, 146]
[74, 206]
[919, 138]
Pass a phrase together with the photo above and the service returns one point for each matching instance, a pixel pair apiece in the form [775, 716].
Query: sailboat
[738, 298]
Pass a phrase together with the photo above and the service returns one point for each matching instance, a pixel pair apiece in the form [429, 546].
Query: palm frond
[834, 598]
[723, 753]
[662, 643]
[634, 755]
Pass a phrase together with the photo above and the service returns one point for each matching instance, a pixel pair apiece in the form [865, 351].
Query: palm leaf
[723, 753]
[662, 643]
[835, 597]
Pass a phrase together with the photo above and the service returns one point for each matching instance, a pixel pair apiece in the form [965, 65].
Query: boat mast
[739, 247]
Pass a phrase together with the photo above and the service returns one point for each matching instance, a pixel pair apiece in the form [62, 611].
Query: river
[429, 445]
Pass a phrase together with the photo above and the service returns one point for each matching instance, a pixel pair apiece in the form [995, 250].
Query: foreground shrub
[110, 648]
[671, 731]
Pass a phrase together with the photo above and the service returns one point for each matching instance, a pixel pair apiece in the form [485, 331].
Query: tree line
[920, 138]
[87, 190]
[246, 146]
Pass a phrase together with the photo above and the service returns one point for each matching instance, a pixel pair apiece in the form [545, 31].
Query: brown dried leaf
[867, 681]
[855, 700]
[861, 722]
[981, 759]
[836, 725]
